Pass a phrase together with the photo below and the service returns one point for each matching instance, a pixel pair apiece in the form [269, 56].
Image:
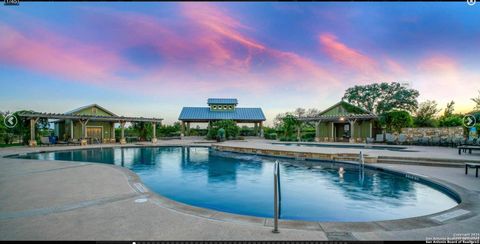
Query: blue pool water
[243, 184]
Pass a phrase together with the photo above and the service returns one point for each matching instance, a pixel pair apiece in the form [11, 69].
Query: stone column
[83, 141]
[182, 129]
[261, 129]
[122, 134]
[317, 131]
[112, 139]
[352, 134]
[32, 142]
[154, 138]
[299, 132]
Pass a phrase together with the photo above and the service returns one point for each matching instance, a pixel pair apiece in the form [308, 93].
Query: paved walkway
[60, 200]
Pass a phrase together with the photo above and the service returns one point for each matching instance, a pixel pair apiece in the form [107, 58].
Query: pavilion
[87, 123]
[342, 122]
[221, 109]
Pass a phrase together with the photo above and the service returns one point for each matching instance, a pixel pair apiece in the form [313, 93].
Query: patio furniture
[435, 141]
[466, 148]
[424, 141]
[44, 140]
[472, 165]
[379, 138]
[389, 138]
[74, 141]
[370, 140]
[402, 139]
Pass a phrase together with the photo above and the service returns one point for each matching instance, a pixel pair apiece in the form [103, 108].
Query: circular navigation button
[10, 121]
[469, 121]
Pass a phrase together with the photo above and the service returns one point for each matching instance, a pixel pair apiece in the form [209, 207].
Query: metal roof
[205, 114]
[88, 117]
[222, 101]
[337, 117]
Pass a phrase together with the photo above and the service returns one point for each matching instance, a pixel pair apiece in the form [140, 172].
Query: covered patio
[84, 119]
[342, 122]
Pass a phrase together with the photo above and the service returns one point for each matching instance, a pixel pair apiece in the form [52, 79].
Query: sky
[151, 59]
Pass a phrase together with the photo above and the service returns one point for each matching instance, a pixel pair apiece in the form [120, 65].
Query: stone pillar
[83, 140]
[299, 132]
[261, 129]
[122, 134]
[182, 129]
[317, 131]
[112, 139]
[32, 142]
[352, 132]
[154, 138]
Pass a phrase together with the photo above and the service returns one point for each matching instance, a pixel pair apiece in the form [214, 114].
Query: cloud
[345, 55]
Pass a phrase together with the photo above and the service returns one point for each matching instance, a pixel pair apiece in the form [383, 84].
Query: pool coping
[468, 207]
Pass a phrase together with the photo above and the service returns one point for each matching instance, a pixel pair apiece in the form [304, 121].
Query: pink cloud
[345, 55]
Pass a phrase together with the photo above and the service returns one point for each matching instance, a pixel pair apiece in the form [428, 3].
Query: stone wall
[443, 132]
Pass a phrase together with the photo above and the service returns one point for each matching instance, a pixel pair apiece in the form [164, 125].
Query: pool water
[243, 184]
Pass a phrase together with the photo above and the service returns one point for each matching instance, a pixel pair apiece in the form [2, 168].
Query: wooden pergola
[84, 119]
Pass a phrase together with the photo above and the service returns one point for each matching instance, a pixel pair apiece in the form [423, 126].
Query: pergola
[84, 119]
[349, 118]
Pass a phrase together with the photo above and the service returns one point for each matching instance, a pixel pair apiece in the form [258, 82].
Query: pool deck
[60, 200]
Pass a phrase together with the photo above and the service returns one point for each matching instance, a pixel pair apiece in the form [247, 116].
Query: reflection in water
[243, 184]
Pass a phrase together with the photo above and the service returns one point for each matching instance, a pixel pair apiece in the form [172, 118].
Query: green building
[87, 125]
[343, 122]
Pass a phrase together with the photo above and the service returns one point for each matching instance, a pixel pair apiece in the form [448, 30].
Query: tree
[449, 119]
[449, 109]
[382, 97]
[477, 101]
[425, 114]
[395, 120]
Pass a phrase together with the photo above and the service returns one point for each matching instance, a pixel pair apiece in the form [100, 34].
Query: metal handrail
[276, 196]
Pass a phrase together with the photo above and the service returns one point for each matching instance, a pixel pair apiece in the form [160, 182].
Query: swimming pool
[360, 146]
[243, 184]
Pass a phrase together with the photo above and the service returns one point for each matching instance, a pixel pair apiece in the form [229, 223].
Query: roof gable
[344, 108]
[92, 109]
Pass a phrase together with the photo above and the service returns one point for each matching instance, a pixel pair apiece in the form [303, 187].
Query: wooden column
[317, 131]
[83, 140]
[122, 134]
[154, 138]
[332, 133]
[112, 138]
[71, 128]
[32, 142]
[371, 128]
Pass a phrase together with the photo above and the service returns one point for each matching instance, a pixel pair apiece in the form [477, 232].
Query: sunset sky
[151, 59]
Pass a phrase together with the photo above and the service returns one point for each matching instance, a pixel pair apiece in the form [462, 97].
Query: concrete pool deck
[60, 200]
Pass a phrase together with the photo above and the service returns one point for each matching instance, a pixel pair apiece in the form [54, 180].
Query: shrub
[232, 131]
[271, 136]
[450, 121]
